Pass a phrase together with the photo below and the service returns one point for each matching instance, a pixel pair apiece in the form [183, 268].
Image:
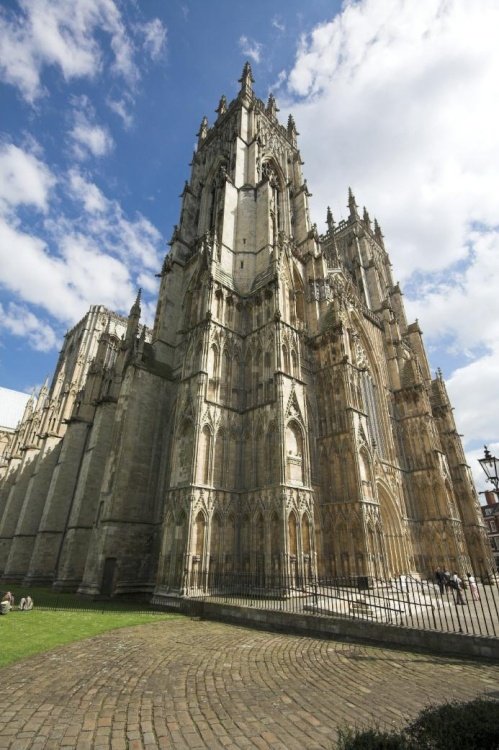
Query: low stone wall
[451, 644]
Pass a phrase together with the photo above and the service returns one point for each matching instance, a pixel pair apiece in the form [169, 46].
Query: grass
[47, 597]
[66, 618]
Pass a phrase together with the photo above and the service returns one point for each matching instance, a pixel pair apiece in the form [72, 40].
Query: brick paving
[194, 684]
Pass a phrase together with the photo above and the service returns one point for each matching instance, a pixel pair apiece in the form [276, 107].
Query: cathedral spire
[132, 325]
[354, 214]
[246, 81]
[366, 218]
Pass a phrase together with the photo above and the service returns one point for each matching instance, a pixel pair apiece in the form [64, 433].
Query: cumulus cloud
[61, 33]
[475, 405]
[396, 97]
[87, 136]
[86, 193]
[92, 253]
[20, 321]
[250, 48]
[24, 179]
[462, 304]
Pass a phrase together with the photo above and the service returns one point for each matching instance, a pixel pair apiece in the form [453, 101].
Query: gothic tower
[239, 494]
[308, 436]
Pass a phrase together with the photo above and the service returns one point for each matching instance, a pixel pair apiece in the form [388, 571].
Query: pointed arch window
[370, 399]
[294, 453]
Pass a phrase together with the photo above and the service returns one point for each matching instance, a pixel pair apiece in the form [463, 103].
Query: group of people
[446, 580]
[8, 600]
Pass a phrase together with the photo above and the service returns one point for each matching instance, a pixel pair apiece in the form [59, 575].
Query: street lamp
[490, 465]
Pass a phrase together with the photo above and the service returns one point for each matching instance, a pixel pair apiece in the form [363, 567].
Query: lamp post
[490, 465]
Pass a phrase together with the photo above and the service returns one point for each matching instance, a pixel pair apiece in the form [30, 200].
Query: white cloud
[121, 108]
[89, 138]
[87, 193]
[24, 179]
[61, 33]
[154, 34]
[66, 284]
[396, 97]
[250, 48]
[20, 321]
[149, 282]
[463, 305]
[278, 24]
[475, 396]
[91, 253]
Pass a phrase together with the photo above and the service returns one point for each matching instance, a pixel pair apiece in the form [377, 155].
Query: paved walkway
[191, 684]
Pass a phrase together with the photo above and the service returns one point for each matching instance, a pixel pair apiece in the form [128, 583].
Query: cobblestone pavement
[195, 684]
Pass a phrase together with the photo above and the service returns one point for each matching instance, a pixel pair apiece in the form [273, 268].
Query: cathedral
[278, 422]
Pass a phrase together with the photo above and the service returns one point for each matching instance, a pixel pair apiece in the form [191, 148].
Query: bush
[371, 739]
[467, 726]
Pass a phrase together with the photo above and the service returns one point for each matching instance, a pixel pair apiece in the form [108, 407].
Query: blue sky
[101, 101]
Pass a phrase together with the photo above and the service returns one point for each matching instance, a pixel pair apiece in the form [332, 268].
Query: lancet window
[294, 452]
[370, 400]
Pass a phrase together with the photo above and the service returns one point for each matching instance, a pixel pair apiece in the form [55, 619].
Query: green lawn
[60, 618]
[27, 633]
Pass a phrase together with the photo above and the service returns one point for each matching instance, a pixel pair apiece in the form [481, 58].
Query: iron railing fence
[48, 599]
[404, 601]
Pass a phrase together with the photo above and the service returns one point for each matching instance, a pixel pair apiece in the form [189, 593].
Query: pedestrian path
[186, 684]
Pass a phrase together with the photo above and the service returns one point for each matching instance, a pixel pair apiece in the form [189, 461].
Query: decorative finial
[354, 214]
[135, 309]
[378, 234]
[271, 106]
[292, 132]
[366, 218]
[246, 79]
[222, 106]
[330, 220]
[203, 129]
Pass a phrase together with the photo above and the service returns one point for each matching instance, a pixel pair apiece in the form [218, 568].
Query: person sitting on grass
[26, 603]
[5, 605]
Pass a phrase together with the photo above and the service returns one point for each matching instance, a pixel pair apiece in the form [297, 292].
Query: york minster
[279, 420]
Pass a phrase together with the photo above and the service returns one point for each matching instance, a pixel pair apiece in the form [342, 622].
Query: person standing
[440, 579]
[457, 584]
[475, 594]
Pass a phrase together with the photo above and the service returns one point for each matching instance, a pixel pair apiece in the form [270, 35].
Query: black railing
[404, 601]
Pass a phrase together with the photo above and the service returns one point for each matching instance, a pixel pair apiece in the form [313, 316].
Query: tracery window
[370, 400]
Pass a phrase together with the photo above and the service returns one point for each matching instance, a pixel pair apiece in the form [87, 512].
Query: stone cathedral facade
[280, 420]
